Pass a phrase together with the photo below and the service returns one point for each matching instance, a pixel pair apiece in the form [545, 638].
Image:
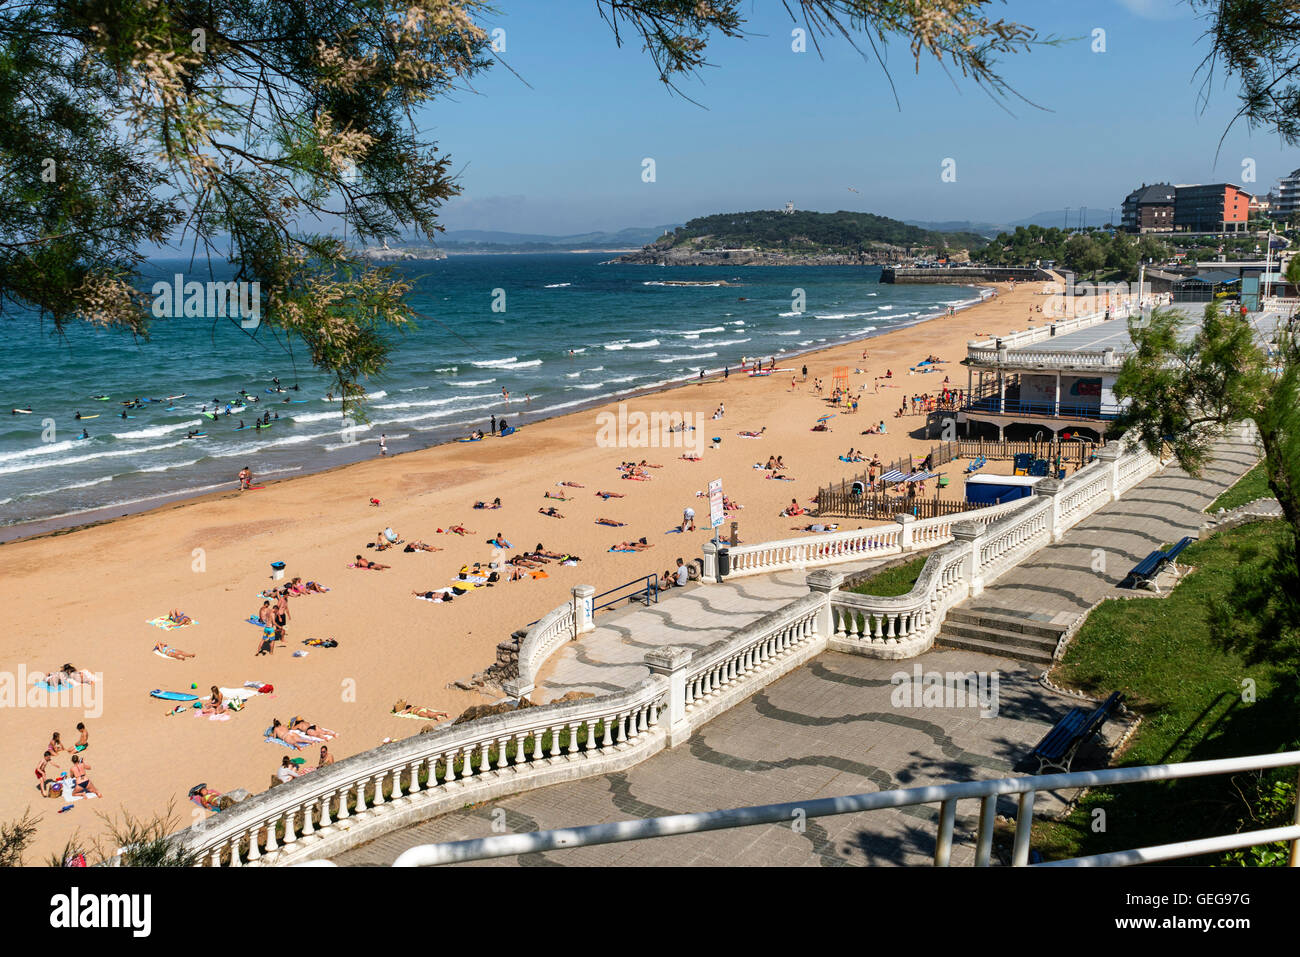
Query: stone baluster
[485, 758]
[573, 737]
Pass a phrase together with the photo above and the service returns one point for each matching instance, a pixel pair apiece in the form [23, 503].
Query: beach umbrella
[823, 418]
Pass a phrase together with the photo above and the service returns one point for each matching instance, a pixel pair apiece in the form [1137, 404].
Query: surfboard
[22, 411]
[196, 435]
[181, 396]
[85, 417]
[208, 415]
[173, 695]
[101, 398]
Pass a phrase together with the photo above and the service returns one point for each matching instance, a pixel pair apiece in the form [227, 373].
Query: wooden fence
[1074, 452]
[840, 502]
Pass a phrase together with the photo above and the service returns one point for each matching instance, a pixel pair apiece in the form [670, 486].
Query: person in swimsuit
[325, 757]
[43, 782]
[216, 703]
[288, 735]
[55, 745]
[83, 785]
[401, 707]
[373, 566]
[315, 731]
[83, 740]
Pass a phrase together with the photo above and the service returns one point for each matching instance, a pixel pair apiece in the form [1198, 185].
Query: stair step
[1006, 621]
[993, 648]
[1014, 639]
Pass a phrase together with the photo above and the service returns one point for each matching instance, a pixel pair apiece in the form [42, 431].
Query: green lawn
[1249, 487]
[1161, 654]
[892, 581]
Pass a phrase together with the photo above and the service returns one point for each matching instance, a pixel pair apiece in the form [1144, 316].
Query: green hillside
[839, 232]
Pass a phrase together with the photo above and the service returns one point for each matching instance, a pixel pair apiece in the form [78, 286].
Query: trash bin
[277, 570]
[724, 563]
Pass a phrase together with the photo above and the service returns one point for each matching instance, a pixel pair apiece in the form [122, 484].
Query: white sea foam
[557, 285]
[465, 384]
[489, 363]
[157, 430]
[523, 365]
[45, 448]
[166, 468]
[76, 459]
[790, 332]
[696, 332]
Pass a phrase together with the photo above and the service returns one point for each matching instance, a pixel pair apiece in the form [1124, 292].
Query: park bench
[1079, 726]
[1146, 571]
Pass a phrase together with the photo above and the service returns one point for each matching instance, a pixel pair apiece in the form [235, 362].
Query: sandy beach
[84, 596]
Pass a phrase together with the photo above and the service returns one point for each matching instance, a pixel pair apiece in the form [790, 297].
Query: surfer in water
[77, 416]
[84, 434]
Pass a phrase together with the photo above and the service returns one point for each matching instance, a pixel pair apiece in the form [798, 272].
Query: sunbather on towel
[303, 726]
[551, 512]
[295, 739]
[610, 521]
[401, 707]
[366, 563]
[420, 547]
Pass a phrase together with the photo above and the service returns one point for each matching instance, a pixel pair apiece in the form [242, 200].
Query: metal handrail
[946, 795]
[647, 583]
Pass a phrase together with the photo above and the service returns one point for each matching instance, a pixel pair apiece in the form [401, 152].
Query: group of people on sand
[300, 732]
[51, 784]
[275, 622]
[775, 463]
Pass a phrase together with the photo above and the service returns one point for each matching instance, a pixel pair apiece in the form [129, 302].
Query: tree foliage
[242, 130]
[1184, 389]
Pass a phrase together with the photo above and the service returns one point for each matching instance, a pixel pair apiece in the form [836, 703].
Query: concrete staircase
[1000, 632]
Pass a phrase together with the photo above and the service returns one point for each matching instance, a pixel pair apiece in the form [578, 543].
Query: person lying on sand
[639, 545]
[165, 649]
[496, 503]
[551, 512]
[608, 495]
[206, 797]
[420, 547]
[178, 617]
[366, 563]
[794, 508]
[815, 528]
[754, 435]
[294, 739]
[499, 541]
[460, 530]
[401, 707]
[440, 595]
[540, 551]
[610, 522]
[571, 484]
[304, 726]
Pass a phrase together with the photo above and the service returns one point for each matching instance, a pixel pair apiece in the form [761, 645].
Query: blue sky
[560, 151]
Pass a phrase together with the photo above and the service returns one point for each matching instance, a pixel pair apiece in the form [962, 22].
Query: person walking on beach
[383, 444]
[494, 424]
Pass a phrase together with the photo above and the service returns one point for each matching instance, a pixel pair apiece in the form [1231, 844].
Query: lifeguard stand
[840, 380]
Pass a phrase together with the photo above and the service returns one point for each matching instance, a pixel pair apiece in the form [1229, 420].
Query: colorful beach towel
[166, 624]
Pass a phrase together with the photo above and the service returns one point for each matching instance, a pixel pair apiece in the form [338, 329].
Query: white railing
[903, 626]
[828, 548]
[369, 794]
[545, 636]
[945, 796]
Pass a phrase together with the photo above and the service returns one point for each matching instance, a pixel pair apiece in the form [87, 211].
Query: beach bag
[494, 577]
[266, 689]
[235, 704]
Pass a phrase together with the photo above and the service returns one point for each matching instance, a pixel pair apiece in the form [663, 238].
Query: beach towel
[539, 574]
[161, 655]
[472, 579]
[199, 801]
[212, 717]
[241, 694]
[624, 549]
[417, 717]
[272, 739]
[46, 686]
[166, 624]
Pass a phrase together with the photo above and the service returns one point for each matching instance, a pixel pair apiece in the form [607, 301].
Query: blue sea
[627, 331]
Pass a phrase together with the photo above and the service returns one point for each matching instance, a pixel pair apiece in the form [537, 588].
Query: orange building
[1211, 208]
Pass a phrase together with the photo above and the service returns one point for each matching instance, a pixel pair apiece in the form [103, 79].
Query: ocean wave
[76, 459]
[166, 468]
[522, 365]
[42, 449]
[720, 342]
[427, 403]
[694, 285]
[590, 386]
[791, 332]
[157, 430]
[316, 416]
[64, 488]
[572, 375]
[467, 383]
[689, 358]
[842, 315]
[557, 285]
[696, 332]
[491, 363]
[788, 315]
[367, 398]
[624, 344]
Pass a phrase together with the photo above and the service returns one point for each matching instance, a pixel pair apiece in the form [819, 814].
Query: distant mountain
[1096, 216]
[775, 237]
[987, 230]
[458, 240]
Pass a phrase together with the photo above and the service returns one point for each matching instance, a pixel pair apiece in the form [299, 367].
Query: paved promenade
[824, 730]
[611, 657]
[830, 728]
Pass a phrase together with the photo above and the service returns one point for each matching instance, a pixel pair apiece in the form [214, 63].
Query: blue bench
[1146, 571]
[1079, 726]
